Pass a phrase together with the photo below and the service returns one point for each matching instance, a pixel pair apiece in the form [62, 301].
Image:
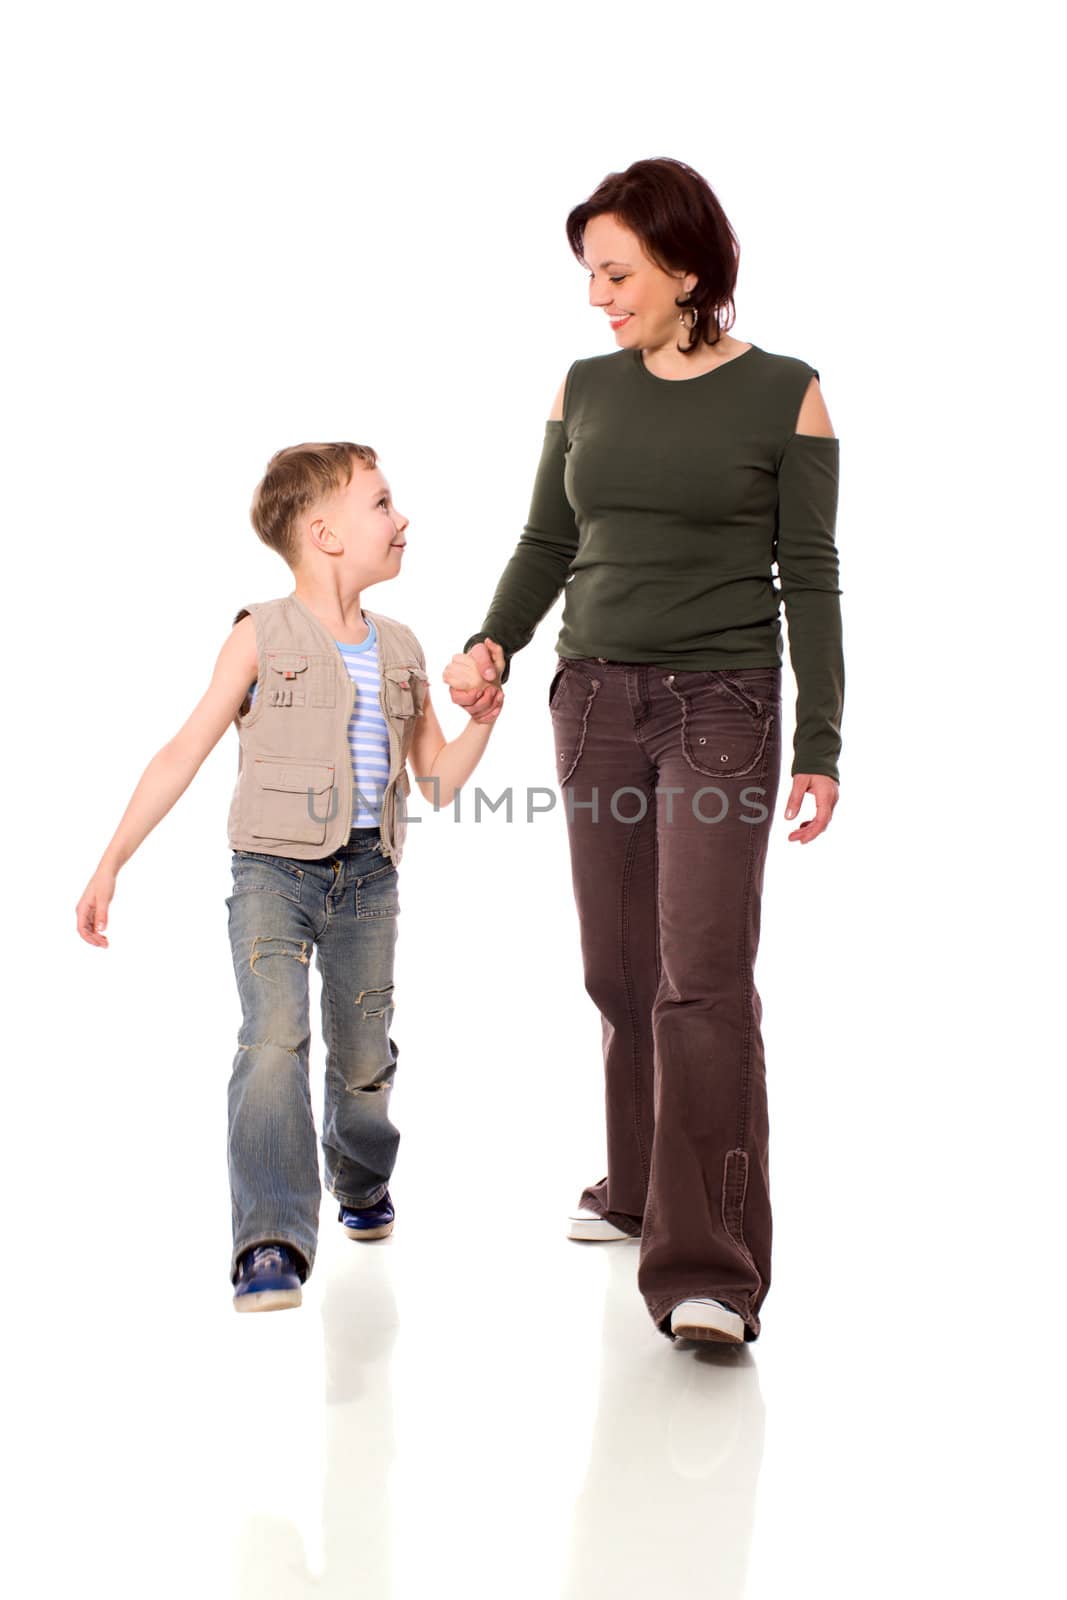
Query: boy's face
[365, 524]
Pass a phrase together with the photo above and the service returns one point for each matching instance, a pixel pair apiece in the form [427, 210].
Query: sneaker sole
[722, 1327]
[370, 1233]
[600, 1232]
[267, 1300]
[686, 1330]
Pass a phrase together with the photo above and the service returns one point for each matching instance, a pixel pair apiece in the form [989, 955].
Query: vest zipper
[348, 748]
[393, 735]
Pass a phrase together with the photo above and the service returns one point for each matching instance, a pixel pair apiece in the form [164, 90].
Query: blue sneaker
[268, 1279]
[368, 1222]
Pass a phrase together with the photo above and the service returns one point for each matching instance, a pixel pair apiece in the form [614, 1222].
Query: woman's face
[633, 292]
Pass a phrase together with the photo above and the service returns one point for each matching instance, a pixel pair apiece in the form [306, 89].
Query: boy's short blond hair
[297, 478]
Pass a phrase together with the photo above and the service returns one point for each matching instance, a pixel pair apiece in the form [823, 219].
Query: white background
[239, 226]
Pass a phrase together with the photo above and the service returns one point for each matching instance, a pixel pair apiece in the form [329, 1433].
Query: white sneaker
[586, 1225]
[707, 1319]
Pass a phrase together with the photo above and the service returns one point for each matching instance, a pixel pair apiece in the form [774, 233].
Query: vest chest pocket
[295, 678]
[405, 690]
[287, 678]
[292, 800]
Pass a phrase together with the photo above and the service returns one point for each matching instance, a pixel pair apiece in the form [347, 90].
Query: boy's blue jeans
[345, 908]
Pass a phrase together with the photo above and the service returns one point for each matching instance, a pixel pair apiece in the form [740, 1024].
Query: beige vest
[294, 793]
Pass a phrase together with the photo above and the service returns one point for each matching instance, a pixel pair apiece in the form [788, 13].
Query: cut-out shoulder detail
[556, 412]
[813, 419]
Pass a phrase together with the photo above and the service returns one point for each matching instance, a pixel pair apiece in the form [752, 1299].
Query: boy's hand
[462, 673]
[92, 907]
[467, 675]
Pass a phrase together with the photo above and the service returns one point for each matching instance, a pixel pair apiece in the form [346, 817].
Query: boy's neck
[341, 616]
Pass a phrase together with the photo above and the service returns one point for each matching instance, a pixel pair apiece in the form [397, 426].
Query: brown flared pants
[669, 781]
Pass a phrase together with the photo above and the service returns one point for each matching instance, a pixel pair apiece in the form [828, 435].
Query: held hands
[474, 680]
[825, 792]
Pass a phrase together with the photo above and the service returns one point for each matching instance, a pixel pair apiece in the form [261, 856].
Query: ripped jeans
[345, 908]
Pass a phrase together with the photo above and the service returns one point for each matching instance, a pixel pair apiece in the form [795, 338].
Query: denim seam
[293, 896]
[379, 872]
[328, 1039]
[358, 1205]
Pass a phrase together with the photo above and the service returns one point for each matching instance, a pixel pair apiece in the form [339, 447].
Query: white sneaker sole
[370, 1233]
[707, 1319]
[267, 1300]
[591, 1229]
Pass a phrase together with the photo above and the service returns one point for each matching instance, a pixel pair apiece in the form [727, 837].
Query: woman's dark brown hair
[682, 228]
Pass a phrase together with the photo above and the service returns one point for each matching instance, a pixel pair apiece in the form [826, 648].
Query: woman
[672, 476]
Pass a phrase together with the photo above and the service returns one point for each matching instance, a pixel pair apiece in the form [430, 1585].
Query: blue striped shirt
[368, 732]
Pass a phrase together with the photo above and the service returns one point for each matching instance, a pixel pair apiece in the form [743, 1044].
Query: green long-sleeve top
[664, 505]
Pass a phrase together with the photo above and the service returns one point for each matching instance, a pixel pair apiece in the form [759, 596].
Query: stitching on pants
[655, 895]
[627, 873]
[711, 772]
[733, 1203]
[746, 983]
[752, 705]
[595, 685]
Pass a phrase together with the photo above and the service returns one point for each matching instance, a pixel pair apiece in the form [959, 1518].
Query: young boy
[330, 703]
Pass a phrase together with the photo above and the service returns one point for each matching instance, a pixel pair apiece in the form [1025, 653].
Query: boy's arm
[171, 770]
[450, 762]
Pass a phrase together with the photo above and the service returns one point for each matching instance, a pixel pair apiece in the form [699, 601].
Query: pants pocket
[256, 874]
[724, 730]
[378, 893]
[570, 708]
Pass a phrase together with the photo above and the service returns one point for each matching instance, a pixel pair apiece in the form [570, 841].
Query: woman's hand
[825, 791]
[92, 907]
[469, 687]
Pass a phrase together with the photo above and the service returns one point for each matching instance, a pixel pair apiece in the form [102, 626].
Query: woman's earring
[683, 316]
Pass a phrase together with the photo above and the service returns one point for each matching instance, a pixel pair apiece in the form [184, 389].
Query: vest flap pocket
[292, 800]
[288, 662]
[400, 690]
[293, 776]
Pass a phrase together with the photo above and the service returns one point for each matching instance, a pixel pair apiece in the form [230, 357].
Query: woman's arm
[807, 558]
[537, 571]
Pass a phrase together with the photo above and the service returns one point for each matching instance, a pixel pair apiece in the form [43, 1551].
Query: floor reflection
[359, 1324]
[669, 1495]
